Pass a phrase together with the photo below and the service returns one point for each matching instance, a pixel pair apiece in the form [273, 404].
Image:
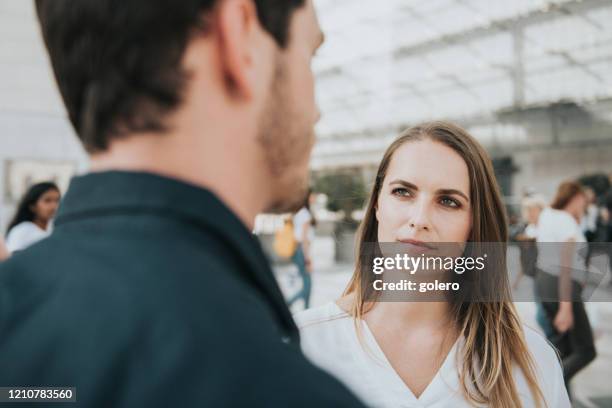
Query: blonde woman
[435, 184]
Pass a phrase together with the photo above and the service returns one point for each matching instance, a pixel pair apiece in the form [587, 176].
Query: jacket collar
[97, 194]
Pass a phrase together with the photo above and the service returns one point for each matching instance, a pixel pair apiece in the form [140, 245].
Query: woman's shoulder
[24, 226]
[23, 230]
[542, 350]
[326, 336]
[319, 317]
[547, 366]
[556, 225]
[553, 216]
[22, 235]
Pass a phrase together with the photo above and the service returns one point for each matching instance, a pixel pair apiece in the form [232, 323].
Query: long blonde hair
[490, 326]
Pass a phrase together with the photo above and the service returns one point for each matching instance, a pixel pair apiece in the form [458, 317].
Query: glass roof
[390, 63]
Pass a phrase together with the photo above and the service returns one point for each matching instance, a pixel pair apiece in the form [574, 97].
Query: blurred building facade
[531, 79]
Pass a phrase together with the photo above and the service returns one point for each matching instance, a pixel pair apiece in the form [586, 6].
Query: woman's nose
[420, 217]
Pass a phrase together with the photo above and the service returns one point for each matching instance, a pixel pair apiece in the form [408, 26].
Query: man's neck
[237, 188]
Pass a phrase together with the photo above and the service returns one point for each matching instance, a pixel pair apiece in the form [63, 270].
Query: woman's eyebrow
[448, 191]
[404, 183]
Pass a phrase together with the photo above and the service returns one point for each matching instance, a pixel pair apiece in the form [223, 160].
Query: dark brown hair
[565, 193]
[117, 62]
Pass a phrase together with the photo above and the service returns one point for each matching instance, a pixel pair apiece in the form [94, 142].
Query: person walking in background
[589, 220]
[34, 215]
[531, 209]
[588, 223]
[304, 223]
[559, 282]
[607, 225]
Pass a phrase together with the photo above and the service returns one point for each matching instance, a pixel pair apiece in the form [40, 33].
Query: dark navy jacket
[151, 292]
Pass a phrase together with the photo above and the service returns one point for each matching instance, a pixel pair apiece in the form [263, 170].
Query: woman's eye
[450, 202]
[400, 191]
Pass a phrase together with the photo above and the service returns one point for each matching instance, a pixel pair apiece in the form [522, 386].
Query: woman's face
[577, 206]
[46, 206]
[425, 196]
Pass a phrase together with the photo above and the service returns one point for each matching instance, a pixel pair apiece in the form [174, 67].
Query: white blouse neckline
[446, 377]
[330, 340]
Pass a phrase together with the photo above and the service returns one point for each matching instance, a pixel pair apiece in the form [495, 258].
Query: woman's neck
[41, 224]
[435, 315]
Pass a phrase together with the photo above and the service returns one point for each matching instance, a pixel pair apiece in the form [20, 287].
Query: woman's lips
[416, 243]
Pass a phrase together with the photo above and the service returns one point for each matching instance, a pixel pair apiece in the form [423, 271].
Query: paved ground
[591, 387]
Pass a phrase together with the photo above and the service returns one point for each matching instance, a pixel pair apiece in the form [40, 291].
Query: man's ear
[237, 28]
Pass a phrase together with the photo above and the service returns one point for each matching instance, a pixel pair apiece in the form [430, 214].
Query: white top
[329, 339]
[299, 219]
[25, 234]
[556, 226]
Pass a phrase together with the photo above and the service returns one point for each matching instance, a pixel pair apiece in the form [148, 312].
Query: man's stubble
[286, 138]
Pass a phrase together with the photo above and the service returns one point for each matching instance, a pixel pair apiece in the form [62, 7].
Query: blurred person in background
[33, 217]
[152, 290]
[531, 209]
[4, 253]
[561, 275]
[589, 222]
[435, 184]
[304, 223]
[607, 222]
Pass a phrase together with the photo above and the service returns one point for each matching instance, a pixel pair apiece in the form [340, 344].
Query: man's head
[218, 69]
